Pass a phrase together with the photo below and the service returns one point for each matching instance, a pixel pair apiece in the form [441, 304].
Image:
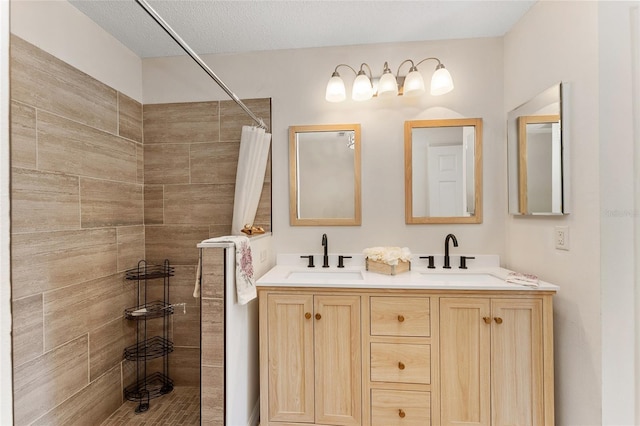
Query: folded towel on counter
[388, 255]
[522, 279]
[245, 283]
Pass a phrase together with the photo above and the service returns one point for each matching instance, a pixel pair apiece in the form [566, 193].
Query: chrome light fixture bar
[388, 85]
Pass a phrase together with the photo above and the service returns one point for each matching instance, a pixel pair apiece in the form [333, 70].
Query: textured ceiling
[215, 26]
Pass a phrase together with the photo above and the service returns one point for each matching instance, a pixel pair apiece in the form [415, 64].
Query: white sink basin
[325, 275]
[461, 277]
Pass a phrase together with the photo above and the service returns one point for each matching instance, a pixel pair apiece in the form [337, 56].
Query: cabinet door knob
[401, 413]
[400, 318]
[401, 365]
[487, 320]
[307, 315]
[498, 320]
[318, 316]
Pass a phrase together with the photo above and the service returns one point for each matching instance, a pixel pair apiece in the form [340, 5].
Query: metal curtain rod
[198, 60]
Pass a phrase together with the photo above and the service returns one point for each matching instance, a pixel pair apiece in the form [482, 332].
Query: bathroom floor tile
[180, 407]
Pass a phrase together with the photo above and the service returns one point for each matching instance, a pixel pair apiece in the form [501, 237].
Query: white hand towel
[522, 279]
[196, 290]
[245, 284]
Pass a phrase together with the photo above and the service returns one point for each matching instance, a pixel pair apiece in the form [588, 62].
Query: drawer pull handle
[307, 315]
[498, 320]
[401, 365]
[487, 320]
[400, 318]
[401, 413]
[318, 316]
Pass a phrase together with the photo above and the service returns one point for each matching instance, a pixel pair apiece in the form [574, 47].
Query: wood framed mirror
[443, 171]
[324, 175]
[538, 155]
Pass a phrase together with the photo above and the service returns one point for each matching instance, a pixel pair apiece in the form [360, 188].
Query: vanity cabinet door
[465, 357]
[517, 352]
[338, 360]
[313, 361]
[290, 358]
[492, 361]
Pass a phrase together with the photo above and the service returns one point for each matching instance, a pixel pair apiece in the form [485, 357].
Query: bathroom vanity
[426, 347]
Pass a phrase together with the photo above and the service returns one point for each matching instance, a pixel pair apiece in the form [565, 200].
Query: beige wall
[6, 387]
[62, 30]
[585, 44]
[295, 80]
[77, 224]
[79, 221]
[190, 160]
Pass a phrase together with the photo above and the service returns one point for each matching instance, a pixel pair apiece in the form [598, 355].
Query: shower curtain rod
[199, 61]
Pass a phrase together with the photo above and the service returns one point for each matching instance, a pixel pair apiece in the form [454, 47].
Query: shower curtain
[252, 164]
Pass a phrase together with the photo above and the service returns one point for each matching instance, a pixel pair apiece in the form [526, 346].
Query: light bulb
[362, 89]
[335, 89]
[413, 83]
[441, 81]
[387, 86]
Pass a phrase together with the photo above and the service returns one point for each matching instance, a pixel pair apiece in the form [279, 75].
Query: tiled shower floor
[180, 407]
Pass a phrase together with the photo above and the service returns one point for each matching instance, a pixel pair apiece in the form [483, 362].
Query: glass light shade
[441, 81]
[413, 84]
[387, 86]
[335, 89]
[362, 89]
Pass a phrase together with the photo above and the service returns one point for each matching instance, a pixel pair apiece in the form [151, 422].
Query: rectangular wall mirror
[324, 175]
[538, 155]
[443, 171]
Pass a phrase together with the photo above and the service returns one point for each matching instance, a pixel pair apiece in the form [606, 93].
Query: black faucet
[325, 257]
[446, 249]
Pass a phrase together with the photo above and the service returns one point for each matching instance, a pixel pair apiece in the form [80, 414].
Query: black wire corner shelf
[152, 348]
[155, 309]
[152, 386]
[145, 271]
[146, 348]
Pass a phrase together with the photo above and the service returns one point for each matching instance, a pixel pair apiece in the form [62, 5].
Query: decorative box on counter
[383, 268]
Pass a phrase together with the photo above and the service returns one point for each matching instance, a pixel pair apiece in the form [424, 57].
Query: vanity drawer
[400, 316]
[400, 408]
[400, 363]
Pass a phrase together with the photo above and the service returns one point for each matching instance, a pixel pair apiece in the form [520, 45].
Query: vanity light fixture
[365, 87]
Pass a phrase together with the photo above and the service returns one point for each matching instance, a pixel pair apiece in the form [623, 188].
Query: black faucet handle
[463, 261]
[310, 257]
[341, 260]
[431, 261]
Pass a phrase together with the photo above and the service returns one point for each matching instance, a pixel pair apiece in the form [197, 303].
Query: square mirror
[443, 171]
[324, 179]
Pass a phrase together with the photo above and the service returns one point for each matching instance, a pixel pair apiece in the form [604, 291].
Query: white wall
[60, 29]
[617, 203]
[6, 395]
[296, 80]
[587, 45]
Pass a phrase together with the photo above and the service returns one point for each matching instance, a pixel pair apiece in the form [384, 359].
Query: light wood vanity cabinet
[311, 363]
[496, 364]
[405, 357]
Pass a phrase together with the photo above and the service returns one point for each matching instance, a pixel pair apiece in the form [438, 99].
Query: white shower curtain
[252, 165]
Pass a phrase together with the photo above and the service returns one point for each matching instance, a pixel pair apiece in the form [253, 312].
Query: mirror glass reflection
[443, 171]
[537, 156]
[324, 174]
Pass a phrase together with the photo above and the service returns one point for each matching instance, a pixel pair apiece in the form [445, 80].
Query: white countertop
[483, 273]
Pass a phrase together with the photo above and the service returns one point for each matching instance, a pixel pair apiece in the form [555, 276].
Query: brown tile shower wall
[81, 216]
[77, 223]
[190, 161]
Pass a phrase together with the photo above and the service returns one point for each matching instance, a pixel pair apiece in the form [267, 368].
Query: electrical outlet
[562, 237]
[263, 256]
